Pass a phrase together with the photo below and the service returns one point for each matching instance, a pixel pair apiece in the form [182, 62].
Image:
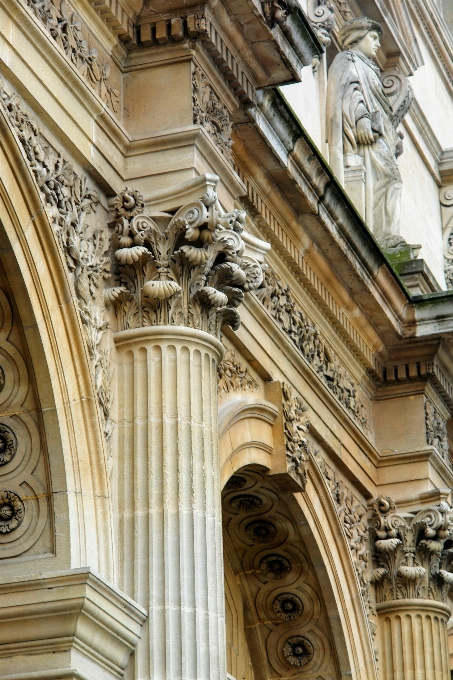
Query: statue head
[361, 34]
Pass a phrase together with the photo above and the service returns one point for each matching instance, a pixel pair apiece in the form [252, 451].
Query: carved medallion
[11, 511]
[298, 651]
[288, 607]
[8, 444]
[275, 566]
[235, 483]
[246, 503]
[261, 531]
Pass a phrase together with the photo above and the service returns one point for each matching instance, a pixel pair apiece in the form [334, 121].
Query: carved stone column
[182, 277]
[412, 576]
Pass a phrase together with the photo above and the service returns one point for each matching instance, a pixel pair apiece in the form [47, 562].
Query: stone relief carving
[68, 199]
[446, 202]
[261, 531]
[296, 425]
[276, 566]
[276, 11]
[352, 514]
[344, 9]
[436, 431]
[412, 553]
[65, 27]
[322, 18]
[246, 503]
[298, 650]
[362, 136]
[210, 113]
[399, 92]
[277, 299]
[281, 592]
[186, 269]
[288, 607]
[233, 375]
[8, 444]
[11, 511]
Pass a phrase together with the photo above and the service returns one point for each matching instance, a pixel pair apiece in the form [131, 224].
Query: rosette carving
[184, 269]
[413, 554]
[11, 511]
[8, 444]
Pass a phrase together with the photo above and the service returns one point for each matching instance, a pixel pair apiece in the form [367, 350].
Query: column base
[71, 625]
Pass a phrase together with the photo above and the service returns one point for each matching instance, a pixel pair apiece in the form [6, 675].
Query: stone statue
[363, 141]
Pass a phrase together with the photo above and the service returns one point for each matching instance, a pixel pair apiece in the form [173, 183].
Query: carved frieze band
[66, 28]
[352, 514]
[277, 299]
[233, 375]
[260, 208]
[186, 269]
[210, 113]
[69, 198]
[412, 554]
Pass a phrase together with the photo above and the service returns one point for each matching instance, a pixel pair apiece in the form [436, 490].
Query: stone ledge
[70, 624]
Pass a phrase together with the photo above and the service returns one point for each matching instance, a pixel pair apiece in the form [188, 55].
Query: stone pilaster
[182, 276]
[412, 577]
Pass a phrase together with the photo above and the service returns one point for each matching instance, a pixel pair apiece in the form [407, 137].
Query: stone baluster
[412, 578]
[184, 275]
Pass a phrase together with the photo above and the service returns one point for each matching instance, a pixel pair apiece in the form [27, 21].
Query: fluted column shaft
[413, 640]
[170, 518]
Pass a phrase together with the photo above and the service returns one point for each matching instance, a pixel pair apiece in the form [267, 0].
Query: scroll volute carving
[291, 450]
[413, 553]
[186, 269]
[399, 91]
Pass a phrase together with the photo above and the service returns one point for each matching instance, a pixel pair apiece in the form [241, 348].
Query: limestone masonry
[226, 339]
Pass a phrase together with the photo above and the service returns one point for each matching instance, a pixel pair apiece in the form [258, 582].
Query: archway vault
[46, 368]
[286, 550]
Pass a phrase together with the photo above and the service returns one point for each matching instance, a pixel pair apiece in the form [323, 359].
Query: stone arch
[55, 354]
[308, 531]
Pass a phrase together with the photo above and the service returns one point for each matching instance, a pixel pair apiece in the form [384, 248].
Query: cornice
[304, 180]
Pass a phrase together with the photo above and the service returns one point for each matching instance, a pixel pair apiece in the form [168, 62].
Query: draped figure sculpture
[363, 142]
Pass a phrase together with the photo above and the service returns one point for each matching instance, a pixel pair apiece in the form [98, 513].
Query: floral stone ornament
[183, 269]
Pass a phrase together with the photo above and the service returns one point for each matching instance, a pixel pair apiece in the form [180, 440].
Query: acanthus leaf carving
[436, 431]
[185, 269]
[412, 552]
[210, 113]
[65, 27]
[233, 375]
[296, 426]
[68, 199]
[277, 299]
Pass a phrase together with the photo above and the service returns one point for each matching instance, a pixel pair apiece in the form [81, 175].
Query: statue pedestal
[354, 184]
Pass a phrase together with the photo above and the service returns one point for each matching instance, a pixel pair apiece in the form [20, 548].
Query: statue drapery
[354, 93]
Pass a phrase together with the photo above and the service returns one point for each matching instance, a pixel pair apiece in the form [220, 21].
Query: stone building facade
[225, 404]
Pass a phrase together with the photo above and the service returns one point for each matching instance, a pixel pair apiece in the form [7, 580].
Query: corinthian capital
[185, 269]
[413, 552]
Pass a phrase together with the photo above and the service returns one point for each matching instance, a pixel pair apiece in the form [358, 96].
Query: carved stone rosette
[186, 269]
[412, 553]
